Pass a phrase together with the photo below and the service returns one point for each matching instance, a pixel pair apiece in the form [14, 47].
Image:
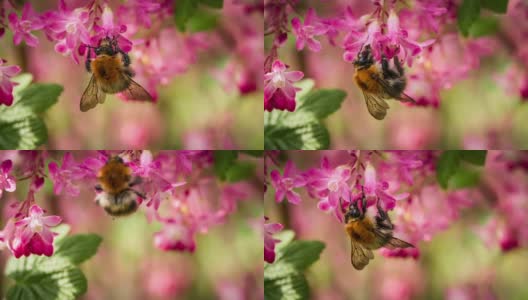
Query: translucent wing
[391, 91]
[376, 106]
[92, 95]
[136, 92]
[395, 243]
[359, 256]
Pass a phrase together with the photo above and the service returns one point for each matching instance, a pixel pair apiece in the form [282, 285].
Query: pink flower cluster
[27, 230]
[181, 193]
[76, 30]
[402, 181]
[506, 179]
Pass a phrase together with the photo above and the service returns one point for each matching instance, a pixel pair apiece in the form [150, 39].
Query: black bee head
[353, 213]
[106, 46]
[116, 158]
[364, 58]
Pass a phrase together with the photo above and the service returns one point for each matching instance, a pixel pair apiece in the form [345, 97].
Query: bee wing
[376, 106]
[136, 92]
[360, 256]
[395, 243]
[391, 91]
[92, 95]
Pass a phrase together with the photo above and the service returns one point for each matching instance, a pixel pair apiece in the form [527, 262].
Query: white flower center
[279, 80]
[36, 225]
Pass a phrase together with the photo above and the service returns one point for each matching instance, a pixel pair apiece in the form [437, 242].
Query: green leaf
[23, 80]
[302, 129]
[254, 153]
[305, 86]
[468, 12]
[309, 136]
[239, 171]
[34, 99]
[78, 248]
[322, 103]
[300, 254]
[202, 20]
[464, 178]
[447, 165]
[28, 133]
[284, 279]
[476, 157]
[65, 284]
[55, 277]
[213, 3]
[183, 11]
[484, 26]
[291, 287]
[223, 160]
[498, 6]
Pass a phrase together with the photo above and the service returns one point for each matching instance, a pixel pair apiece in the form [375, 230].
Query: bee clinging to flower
[369, 233]
[111, 73]
[379, 82]
[115, 191]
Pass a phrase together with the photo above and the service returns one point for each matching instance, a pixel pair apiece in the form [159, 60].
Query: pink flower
[279, 91]
[355, 40]
[6, 85]
[284, 185]
[330, 185]
[34, 235]
[64, 176]
[398, 38]
[269, 241]
[306, 32]
[7, 181]
[22, 27]
[108, 28]
[377, 189]
[175, 236]
[68, 28]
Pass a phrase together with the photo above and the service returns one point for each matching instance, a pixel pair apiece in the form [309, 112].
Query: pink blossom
[398, 39]
[285, 184]
[29, 21]
[6, 85]
[64, 176]
[306, 32]
[175, 236]
[108, 28]
[279, 91]
[68, 28]
[7, 181]
[34, 234]
[330, 185]
[356, 40]
[269, 241]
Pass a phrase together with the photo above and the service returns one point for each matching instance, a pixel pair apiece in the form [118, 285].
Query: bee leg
[88, 64]
[140, 195]
[135, 181]
[126, 58]
[398, 65]
[387, 72]
[383, 219]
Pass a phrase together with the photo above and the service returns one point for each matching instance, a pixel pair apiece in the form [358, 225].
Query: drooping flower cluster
[6, 85]
[160, 50]
[404, 182]
[269, 241]
[179, 190]
[421, 33]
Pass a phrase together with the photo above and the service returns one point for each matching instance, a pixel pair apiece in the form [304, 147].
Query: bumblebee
[114, 190]
[379, 83]
[367, 234]
[111, 73]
